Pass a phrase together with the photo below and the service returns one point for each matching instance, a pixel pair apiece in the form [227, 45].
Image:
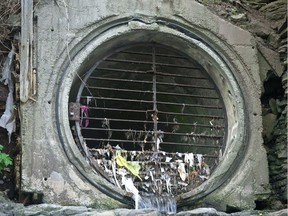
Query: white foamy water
[161, 203]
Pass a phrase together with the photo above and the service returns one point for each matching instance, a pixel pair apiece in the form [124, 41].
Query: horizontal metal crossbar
[171, 113]
[145, 101]
[149, 63]
[168, 133]
[186, 76]
[150, 142]
[148, 91]
[157, 54]
[150, 82]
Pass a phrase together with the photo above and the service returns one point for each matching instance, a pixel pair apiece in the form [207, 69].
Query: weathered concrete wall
[267, 22]
[69, 36]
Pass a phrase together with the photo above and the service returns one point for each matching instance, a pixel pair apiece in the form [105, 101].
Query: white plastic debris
[199, 158]
[151, 175]
[183, 184]
[207, 170]
[130, 188]
[168, 184]
[129, 185]
[7, 120]
[202, 177]
[114, 173]
[182, 172]
[117, 147]
[88, 99]
[220, 153]
[167, 179]
[121, 171]
[158, 141]
[168, 159]
[189, 158]
[211, 123]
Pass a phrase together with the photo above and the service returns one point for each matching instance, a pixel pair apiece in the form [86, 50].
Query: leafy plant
[5, 159]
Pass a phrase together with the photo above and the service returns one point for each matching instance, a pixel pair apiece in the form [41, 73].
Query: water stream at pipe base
[163, 204]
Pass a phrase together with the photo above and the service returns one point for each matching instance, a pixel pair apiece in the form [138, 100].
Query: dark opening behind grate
[158, 108]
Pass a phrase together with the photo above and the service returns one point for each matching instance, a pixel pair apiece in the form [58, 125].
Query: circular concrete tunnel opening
[152, 114]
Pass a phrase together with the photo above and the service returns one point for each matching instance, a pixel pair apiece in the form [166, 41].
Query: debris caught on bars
[160, 173]
[130, 188]
[84, 115]
[131, 166]
[182, 172]
[189, 158]
[199, 158]
[168, 159]
[7, 120]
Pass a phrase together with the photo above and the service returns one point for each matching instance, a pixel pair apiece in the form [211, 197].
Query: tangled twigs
[8, 8]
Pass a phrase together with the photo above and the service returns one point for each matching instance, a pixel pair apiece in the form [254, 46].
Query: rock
[275, 10]
[273, 106]
[142, 212]
[283, 212]
[281, 104]
[51, 209]
[202, 211]
[272, 58]
[269, 121]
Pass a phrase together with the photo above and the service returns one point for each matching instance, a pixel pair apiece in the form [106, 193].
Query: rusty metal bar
[121, 80]
[149, 82]
[155, 110]
[167, 133]
[160, 122]
[148, 91]
[120, 99]
[192, 145]
[149, 63]
[218, 127]
[116, 140]
[148, 73]
[172, 113]
[160, 102]
[157, 54]
[144, 111]
[186, 85]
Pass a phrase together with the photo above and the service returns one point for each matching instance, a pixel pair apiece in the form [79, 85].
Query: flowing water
[161, 203]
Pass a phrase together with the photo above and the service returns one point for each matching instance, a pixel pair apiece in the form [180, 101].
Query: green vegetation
[5, 159]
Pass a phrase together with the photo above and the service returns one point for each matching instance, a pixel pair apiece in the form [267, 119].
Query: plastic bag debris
[189, 158]
[130, 166]
[130, 188]
[199, 158]
[182, 172]
[7, 120]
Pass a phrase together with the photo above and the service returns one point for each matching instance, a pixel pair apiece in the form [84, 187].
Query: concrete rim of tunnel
[121, 32]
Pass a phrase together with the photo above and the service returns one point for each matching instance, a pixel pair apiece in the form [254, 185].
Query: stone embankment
[57, 210]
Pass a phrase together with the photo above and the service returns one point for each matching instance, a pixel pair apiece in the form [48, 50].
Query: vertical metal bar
[155, 111]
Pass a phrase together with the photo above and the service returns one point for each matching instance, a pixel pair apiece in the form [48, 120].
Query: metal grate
[157, 109]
